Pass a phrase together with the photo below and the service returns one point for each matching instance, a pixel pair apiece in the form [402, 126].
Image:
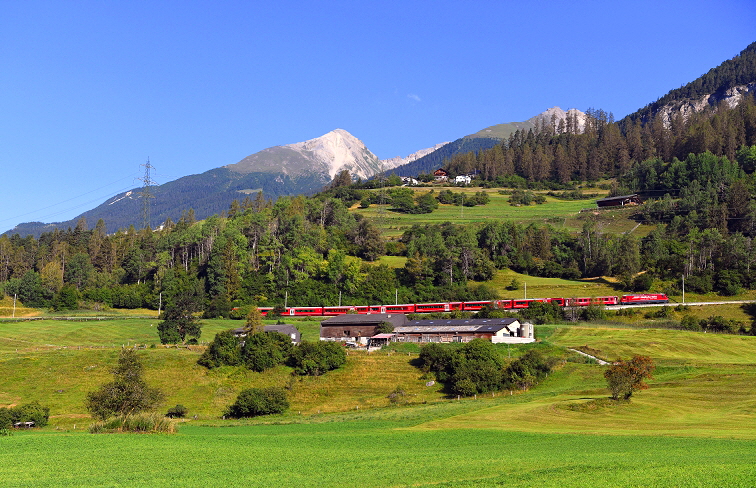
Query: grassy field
[370, 453]
[562, 214]
[45, 335]
[540, 287]
[694, 426]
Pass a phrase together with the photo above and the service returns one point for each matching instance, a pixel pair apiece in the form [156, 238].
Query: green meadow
[561, 214]
[694, 426]
[371, 453]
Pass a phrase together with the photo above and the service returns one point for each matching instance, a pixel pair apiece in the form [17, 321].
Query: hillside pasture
[57, 363]
[704, 385]
[541, 287]
[559, 213]
[47, 335]
[694, 426]
[660, 344]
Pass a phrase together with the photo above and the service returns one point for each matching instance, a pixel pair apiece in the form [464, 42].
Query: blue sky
[90, 89]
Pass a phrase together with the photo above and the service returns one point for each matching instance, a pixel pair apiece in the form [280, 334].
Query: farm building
[285, 329]
[357, 328]
[463, 179]
[620, 201]
[464, 330]
[364, 329]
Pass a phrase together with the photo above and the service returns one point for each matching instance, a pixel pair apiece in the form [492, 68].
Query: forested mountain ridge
[552, 116]
[490, 137]
[295, 169]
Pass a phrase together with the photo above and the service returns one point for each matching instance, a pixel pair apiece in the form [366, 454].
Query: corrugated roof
[476, 322]
[375, 318]
[409, 329]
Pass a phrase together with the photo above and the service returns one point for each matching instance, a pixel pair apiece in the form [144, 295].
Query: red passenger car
[525, 302]
[405, 309]
[432, 307]
[337, 310]
[475, 306]
[305, 311]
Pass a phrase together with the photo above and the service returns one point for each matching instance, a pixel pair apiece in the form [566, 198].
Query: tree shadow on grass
[750, 309]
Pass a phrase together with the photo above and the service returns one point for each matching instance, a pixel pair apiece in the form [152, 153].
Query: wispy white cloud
[414, 97]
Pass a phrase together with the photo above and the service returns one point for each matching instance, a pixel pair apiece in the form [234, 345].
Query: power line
[146, 194]
[17, 217]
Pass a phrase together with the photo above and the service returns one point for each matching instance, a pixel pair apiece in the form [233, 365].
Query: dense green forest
[563, 153]
[313, 251]
[697, 173]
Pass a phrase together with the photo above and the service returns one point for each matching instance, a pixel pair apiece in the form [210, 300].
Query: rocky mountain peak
[399, 161]
[731, 96]
[325, 155]
[556, 114]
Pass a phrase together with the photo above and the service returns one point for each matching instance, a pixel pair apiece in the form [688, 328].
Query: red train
[646, 298]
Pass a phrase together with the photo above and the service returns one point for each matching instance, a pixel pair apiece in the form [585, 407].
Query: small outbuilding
[379, 340]
[620, 201]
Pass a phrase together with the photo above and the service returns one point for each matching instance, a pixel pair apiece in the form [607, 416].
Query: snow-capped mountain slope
[399, 161]
[328, 154]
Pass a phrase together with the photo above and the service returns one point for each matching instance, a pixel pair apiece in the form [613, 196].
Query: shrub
[177, 412]
[29, 412]
[224, 350]
[436, 358]
[689, 322]
[127, 394]
[397, 396]
[663, 313]
[475, 367]
[66, 299]
[143, 423]
[259, 401]
[265, 350]
[527, 371]
[593, 312]
[316, 358]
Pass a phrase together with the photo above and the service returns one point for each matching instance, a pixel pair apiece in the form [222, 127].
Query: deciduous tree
[625, 377]
[127, 394]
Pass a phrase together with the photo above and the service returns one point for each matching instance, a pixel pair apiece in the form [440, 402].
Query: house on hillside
[357, 328]
[620, 201]
[440, 175]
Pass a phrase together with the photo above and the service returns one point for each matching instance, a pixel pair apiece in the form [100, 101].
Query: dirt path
[600, 361]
